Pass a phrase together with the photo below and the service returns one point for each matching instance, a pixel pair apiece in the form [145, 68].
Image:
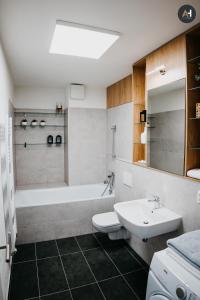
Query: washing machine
[172, 277]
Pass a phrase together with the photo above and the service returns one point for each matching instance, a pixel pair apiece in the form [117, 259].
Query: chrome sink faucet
[156, 200]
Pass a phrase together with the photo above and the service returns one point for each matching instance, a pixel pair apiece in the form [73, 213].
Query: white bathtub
[52, 213]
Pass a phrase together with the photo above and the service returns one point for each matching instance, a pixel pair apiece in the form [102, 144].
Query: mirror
[166, 127]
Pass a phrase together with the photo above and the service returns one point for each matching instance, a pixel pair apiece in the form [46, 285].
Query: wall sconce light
[161, 69]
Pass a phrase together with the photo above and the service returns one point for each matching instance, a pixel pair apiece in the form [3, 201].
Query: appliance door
[158, 297]
[156, 290]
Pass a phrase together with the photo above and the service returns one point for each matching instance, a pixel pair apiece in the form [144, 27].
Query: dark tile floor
[87, 267]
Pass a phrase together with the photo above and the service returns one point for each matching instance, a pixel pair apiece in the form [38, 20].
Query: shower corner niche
[37, 160]
[139, 105]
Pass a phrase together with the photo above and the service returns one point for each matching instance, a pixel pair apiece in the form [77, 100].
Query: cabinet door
[173, 57]
[125, 87]
[109, 97]
[120, 92]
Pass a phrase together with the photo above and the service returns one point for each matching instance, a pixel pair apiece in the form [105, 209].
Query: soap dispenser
[144, 136]
[58, 139]
[50, 139]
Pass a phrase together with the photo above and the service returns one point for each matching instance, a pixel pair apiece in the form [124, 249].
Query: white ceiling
[26, 28]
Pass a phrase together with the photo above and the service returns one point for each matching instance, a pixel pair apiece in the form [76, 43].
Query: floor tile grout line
[38, 280]
[31, 298]
[120, 275]
[48, 257]
[38, 259]
[50, 294]
[127, 248]
[101, 246]
[134, 256]
[64, 270]
[84, 285]
[91, 270]
[70, 253]
[135, 294]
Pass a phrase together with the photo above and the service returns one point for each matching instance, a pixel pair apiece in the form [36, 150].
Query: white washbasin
[141, 219]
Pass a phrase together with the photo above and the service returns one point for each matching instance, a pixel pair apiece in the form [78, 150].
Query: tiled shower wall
[87, 145]
[40, 163]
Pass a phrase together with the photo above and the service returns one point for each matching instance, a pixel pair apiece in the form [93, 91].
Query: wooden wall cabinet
[193, 97]
[120, 92]
[173, 57]
[181, 59]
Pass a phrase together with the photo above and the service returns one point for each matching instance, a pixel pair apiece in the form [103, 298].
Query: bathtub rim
[36, 204]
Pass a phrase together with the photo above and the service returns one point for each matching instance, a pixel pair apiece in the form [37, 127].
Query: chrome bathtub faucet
[110, 183]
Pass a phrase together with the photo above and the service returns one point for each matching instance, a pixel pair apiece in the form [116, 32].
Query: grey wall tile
[87, 146]
[40, 164]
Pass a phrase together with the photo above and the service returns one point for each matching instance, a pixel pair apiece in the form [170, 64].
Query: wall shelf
[194, 88]
[195, 148]
[37, 144]
[194, 118]
[30, 113]
[38, 126]
[194, 59]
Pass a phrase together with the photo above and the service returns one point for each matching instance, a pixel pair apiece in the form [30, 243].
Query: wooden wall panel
[139, 85]
[138, 152]
[120, 92]
[173, 57]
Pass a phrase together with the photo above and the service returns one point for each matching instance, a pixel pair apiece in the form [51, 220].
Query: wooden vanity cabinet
[173, 57]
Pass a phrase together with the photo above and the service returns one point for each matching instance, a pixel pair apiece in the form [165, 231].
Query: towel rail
[7, 248]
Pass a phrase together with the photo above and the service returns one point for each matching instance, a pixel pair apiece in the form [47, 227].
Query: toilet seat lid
[108, 219]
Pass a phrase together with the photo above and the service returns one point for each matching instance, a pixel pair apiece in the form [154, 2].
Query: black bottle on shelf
[50, 139]
[143, 116]
[58, 139]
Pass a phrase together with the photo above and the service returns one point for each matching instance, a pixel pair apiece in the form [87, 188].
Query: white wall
[47, 98]
[39, 98]
[6, 94]
[178, 194]
[94, 98]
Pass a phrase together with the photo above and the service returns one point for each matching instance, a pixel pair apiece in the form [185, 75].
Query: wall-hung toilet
[109, 223]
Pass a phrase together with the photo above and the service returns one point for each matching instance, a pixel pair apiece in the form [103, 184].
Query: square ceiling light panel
[80, 40]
